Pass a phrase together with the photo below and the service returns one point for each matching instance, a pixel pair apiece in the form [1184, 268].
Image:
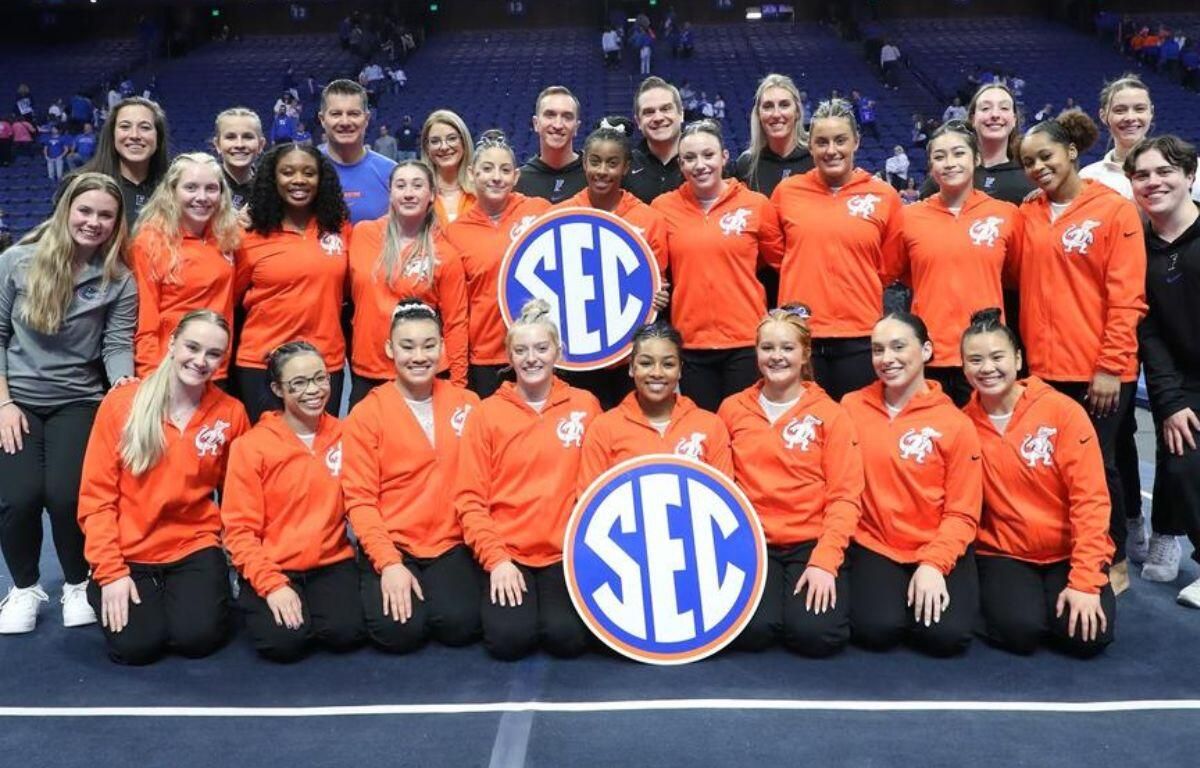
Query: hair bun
[989, 316]
[535, 310]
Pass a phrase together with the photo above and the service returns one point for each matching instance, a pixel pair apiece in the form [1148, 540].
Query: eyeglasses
[300, 384]
[437, 142]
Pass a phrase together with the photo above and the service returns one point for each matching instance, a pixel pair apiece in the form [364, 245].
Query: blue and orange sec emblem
[665, 559]
[596, 272]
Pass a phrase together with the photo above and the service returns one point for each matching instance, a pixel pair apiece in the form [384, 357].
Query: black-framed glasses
[300, 384]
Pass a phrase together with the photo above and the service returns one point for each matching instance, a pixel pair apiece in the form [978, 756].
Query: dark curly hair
[266, 207]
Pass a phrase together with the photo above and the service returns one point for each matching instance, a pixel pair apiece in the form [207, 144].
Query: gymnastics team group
[181, 331]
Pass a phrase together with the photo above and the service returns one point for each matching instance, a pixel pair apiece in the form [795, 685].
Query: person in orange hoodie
[796, 456]
[912, 570]
[481, 236]
[398, 256]
[655, 418]
[183, 250]
[607, 156]
[718, 233]
[417, 578]
[1043, 547]
[841, 229]
[155, 457]
[1082, 277]
[956, 247]
[284, 520]
[516, 489]
[291, 272]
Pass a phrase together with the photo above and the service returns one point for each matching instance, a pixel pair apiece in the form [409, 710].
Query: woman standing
[446, 148]
[291, 272]
[778, 142]
[796, 456]
[239, 142]
[154, 461]
[132, 151]
[718, 233]
[403, 255]
[68, 305]
[912, 571]
[183, 251]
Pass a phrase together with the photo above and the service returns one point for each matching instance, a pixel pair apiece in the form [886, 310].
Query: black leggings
[842, 366]
[451, 584]
[546, 616]
[484, 380]
[329, 605]
[45, 474]
[953, 381]
[1176, 505]
[781, 615]
[254, 388]
[360, 387]
[184, 608]
[1108, 431]
[711, 375]
[1019, 601]
[880, 617]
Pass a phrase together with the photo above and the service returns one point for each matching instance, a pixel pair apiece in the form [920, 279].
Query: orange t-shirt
[840, 249]
[1044, 494]
[716, 298]
[803, 474]
[399, 488]
[924, 478]
[202, 279]
[292, 285]
[167, 512]
[482, 243]
[516, 477]
[375, 297]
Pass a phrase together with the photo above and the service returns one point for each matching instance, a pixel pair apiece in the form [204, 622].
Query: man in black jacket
[556, 173]
[658, 112]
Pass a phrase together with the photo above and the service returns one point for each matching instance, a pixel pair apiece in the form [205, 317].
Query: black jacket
[649, 177]
[553, 184]
[1169, 335]
[1006, 181]
[772, 168]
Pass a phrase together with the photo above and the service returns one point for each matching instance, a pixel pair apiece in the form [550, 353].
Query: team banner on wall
[665, 559]
[596, 272]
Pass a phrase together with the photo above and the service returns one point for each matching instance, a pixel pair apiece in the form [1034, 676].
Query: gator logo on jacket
[331, 243]
[862, 206]
[917, 444]
[692, 447]
[1038, 447]
[801, 432]
[519, 228]
[209, 440]
[333, 459]
[734, 222]
[570, 429]
[459, 419]
[985, 231]
[1078, 237]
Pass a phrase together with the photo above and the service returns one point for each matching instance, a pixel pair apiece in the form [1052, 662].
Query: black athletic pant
[842, 365]
[45, 474]
[1108, 429]
[328, 603]
[609, 385]
[451, 582]
[254, 387]
[1019, 601]
[360, 387]
[545, 617]
[781, 615]
[1127, 461]
[1176, 505]
[880, 617]
[953, 381]
[711, 375]
[484, 380]
[184, 608]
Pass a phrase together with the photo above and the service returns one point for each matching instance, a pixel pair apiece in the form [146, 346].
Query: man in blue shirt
[54, 152]
[363, 173]
[82, 147]
[283, 127]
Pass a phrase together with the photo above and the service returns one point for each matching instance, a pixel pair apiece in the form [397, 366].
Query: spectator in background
[397, 78]
[24, 137]
[80, 112]
[889, 65]
[918, 130]
[1189, 61]
[910, 194]
[406, 140]
[610, 43]
[867, 119]
[150, 92]
[688, 95]
[23, 104]
[83, 147]
[114, 97]
[896, 168]
[126, 87]
[56, 114]
[687, 40]
[1045, 113]
[55, 151]
[283, 126]
[6, 141]
[955, 111]
[386, 143]
[718, 106]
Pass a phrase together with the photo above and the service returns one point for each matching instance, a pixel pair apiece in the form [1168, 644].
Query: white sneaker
[1163, 563]
[75, 608]
[1137, 546]
[19, 609]
[1190, 595]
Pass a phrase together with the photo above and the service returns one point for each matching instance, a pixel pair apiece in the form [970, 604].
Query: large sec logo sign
[596, 272]
[665, 559]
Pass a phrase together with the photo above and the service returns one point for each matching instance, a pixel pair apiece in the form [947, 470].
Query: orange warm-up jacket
[646, 220]
[375, 297]
[399, 489]
[282, 507]
[716, 299]
[1083, 286]
[803, 474]
[841, 249]
[624, 432]
[167, 512]
[481, 243]
[202, 279]
[957, 264]
[517, 474]
[292, 285]
[924, 477]
[465, 203]
[1044, 492]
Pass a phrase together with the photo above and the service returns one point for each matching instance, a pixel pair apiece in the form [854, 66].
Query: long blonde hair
[422, 257]
[446, 117]
[143, 439]
[159, 219]
[758, 139]
[51, 277]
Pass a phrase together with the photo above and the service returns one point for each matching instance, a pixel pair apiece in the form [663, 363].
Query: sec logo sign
[597, 274]
[665, 559]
